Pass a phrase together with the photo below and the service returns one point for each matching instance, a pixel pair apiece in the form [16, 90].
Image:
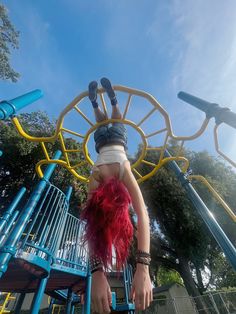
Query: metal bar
[73, 133]
[208, 218]
[57, 236]
[69, 301]
[10, 107]
[19, 303]
[83, 115]
[52, 212]
[10, 244]
[147, 116]
[214, 304]
[71, 235]
[87, 302]
[126, 284]
[54, 221]
[214, 110]
[157, 132]
[35, 306]
[34, 220]
[8, 228]
[127, 106]
[45, 209]
[7, 214]
[64, 237]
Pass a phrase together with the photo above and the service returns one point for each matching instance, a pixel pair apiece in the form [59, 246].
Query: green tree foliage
[168, 276]
[19, 158]
[181, 240]
[9, 39]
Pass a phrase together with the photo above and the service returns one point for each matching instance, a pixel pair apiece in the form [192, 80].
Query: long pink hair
[108, 222]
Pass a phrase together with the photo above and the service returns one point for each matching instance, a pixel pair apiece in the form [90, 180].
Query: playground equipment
[40, 246]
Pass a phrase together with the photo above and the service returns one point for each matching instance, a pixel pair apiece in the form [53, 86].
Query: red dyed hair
[108, 222]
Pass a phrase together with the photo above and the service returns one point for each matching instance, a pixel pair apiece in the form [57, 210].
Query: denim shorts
[110, 134]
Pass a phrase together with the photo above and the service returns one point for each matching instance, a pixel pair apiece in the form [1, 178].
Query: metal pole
[87, 301]
[19, 303]
[214, 304]
[35, 306]
[69, 301]
[9, 249]
[8, 228]
[222, 299]
[212, 110]
[7, 214]
[206, 215]
[10, 107]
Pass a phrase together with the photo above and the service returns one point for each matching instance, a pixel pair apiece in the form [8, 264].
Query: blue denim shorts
[110, 134]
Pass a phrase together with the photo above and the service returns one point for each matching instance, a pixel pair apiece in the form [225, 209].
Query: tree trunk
[190, 285]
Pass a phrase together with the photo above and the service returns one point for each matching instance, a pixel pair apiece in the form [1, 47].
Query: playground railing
[71, 251]
[44, 227]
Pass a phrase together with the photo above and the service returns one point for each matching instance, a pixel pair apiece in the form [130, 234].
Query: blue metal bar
[52, 212]
[87, 301]
[59, 231]
[63, 219]
[6, 216]
[35, 306]
[45, 209]
[8, 228]
[212, 110]
[35, 218]
[54, 221]
[69, 301]
[208, 218]
[126, 284]
[10, 246]
[10, 107]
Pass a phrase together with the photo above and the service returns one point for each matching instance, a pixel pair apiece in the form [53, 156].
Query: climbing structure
[40, 246]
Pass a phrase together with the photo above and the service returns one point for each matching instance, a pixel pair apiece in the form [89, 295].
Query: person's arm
[142, 287]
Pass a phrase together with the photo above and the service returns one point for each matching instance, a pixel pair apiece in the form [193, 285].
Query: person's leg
[99, 114]
[106, 84]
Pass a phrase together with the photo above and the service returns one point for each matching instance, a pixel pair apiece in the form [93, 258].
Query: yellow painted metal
[215, 194]
[218, 148]
[83, 139]
[7, 298]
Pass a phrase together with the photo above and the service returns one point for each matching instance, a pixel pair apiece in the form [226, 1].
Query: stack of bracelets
[96, 264]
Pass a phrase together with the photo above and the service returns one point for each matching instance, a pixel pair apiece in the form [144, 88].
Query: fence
[212, 303]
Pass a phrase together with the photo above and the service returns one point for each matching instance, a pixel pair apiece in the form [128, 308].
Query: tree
[167, 276]
[8, 40]
[184, 242]
[19, 158]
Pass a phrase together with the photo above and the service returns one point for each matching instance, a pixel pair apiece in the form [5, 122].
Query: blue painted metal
[69, 301]
[35, 307]
[7, 230]
[87, 301]
[10, 107]
[9, 248]
[7, 214]
[208, 218]
[212, 110]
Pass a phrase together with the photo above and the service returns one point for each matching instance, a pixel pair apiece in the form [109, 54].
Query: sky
[161, 47]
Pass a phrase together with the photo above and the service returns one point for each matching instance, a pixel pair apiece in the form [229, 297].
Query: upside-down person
[112, 189]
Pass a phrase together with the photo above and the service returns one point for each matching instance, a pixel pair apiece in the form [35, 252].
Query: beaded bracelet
[143, 258]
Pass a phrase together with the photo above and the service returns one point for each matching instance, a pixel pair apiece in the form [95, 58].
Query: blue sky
[160, 47]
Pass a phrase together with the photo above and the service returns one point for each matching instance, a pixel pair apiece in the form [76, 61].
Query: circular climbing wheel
[141, 112]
